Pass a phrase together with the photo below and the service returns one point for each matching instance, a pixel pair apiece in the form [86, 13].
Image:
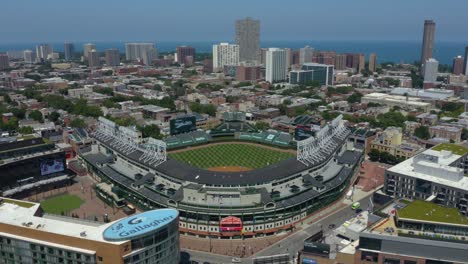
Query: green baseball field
[61, 203]
[231, 157]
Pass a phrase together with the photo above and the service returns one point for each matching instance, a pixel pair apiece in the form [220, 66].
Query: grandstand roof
[186, 172]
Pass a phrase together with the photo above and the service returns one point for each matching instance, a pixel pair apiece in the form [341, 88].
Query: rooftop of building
[455, 149]
[434, 166]
[396, 98]
[430, 212]
[26, 214]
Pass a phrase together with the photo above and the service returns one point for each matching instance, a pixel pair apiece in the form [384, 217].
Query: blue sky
[199, 20]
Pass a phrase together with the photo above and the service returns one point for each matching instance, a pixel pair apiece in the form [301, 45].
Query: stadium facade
[32, 165]
[245, 204]
[27, 235]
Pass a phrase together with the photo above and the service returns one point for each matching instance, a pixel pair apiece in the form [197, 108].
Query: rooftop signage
[140, 224]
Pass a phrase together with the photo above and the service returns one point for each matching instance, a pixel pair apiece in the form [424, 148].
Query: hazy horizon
[206, 20]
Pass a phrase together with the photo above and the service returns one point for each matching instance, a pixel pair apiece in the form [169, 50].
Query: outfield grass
[231, 154]
[456, 149]
[427, 211]
[62, 203]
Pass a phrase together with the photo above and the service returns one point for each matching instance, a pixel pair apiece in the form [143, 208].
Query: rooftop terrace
[455, 149]
[430, 212]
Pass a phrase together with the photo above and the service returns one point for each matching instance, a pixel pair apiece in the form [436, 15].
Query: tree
[261, 125]
[78, 122]
[26, 130]
[422, 132]
[355, 98]
[150, 131]
[464, 135]
[37, 115]
[54, 116]
[374, 155]
[203, 109]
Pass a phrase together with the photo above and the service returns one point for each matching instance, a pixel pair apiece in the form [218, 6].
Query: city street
[337, 214]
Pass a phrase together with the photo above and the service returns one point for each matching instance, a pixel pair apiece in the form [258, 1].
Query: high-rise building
[465, 64]
[4, 61]
[349, 60]
[372, 62]
[313, 72]
[143, 52]
[362, 63]
[183, 52]
[263, 52]
[28, 56]
[325, 57]
[248, 39]
[340, 62]
[207, 65]
[112, 57]
[458, 64]
[356, 61]
[305, 55]
[248, 73]
[43, 51]
[294, 57]
[68, 49]
[428, 40]
[276, 65]
[430, 70]
[93, 59]
[225, 54]
[29, 236]
[15, 54]
[87, 48]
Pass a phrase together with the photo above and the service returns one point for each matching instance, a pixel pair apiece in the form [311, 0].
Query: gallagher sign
[140, 224]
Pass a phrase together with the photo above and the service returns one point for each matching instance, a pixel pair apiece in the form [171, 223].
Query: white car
[236, 260]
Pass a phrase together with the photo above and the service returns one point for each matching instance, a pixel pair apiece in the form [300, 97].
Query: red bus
[230, 224]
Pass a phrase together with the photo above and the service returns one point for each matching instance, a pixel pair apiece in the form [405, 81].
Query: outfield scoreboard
[182, 125]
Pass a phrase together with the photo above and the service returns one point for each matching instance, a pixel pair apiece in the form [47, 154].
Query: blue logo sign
[140, 224]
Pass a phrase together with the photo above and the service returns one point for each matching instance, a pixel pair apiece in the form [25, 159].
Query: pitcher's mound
[229, 168]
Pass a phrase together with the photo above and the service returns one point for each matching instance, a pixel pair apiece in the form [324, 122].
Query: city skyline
[93, 25]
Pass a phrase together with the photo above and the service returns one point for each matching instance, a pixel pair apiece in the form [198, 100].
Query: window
[100, 259]
[391, 261]
[370, 243]
[409, 262]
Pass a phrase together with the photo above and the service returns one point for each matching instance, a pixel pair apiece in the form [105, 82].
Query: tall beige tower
[372, 62]
[248, 39]
[428, 40]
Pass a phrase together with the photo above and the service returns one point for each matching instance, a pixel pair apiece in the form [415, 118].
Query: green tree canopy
[36, 115]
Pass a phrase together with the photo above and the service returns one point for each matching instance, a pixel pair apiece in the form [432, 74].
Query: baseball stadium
[229, 182]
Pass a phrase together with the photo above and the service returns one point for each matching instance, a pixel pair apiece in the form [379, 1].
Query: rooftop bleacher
[187, 139]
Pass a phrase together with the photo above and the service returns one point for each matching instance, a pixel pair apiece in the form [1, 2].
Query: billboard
[182, 125]
[51, 166]
[302, 132]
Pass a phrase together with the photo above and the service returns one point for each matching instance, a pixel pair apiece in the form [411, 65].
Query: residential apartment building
[391, 141]
[183, 52]
[248, 39]
[112, 57]
[141, 52]
[437, 175]
[306, 55]
[451, 133]
[87, 48]
[276, 65]
[225, 54]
